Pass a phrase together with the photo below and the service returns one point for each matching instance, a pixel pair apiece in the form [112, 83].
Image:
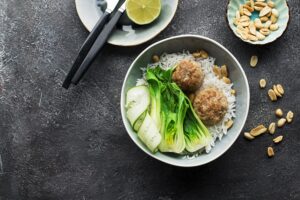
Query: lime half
[143, 11]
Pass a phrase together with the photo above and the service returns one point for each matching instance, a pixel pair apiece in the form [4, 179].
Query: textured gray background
[58, 144]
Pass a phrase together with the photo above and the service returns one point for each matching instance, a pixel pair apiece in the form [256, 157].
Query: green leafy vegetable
[174, 115]
[155, 88]
[168, 109]
[170, 124]
[197, 135]
[173, 112]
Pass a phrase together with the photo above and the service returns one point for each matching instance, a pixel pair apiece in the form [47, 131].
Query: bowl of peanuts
[258, 22]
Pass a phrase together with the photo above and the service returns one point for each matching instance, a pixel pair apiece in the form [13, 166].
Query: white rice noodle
[170, 60]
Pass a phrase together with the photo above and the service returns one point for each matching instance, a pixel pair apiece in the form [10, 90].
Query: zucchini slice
[137, 102]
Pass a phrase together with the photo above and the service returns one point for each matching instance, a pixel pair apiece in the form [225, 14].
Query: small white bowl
[223, 56]
[283, 20]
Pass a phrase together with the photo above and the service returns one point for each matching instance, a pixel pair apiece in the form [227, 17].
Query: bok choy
[174, 115]
[196, 134]
[173, 112]
[164, 117]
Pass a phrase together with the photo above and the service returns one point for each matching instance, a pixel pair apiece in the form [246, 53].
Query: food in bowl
[182, 104]
[211, 105]
[188, 75]
[256, 19]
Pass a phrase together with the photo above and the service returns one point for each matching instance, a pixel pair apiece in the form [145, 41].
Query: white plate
[89, 13]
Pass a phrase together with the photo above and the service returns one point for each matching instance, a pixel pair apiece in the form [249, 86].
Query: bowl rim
[250, 42]
[242, 122]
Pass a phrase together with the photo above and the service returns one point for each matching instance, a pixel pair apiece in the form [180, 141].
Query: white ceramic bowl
[223, 56]
[283, 20]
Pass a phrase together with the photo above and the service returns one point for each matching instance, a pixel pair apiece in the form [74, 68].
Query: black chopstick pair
[94, 43]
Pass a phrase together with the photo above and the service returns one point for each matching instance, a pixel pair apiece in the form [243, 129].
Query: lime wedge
[143, 11]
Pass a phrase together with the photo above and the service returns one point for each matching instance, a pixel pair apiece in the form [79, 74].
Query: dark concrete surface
[69, 145]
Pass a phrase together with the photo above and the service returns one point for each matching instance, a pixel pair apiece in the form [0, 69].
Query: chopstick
[87, 45]
[85, 48]
[98, 45]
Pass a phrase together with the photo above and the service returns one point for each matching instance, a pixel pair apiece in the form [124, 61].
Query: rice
[170, 60]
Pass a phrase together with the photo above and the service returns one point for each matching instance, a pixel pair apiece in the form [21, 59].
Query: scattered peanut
[262, 83]
[248, 136]
[270, 152]
[272, 128]
[289, 116]
[278, 112]
[276, 91]
[280, 89]
[281, 122]
[272, 95]
[278, 139]
[257, 30]
[253, 61]
[258, 130]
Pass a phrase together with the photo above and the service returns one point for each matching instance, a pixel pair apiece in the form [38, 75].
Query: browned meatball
[188, 75]
[210, 105]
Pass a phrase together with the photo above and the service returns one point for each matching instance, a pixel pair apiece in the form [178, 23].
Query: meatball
[210, 105]
[188, 75]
